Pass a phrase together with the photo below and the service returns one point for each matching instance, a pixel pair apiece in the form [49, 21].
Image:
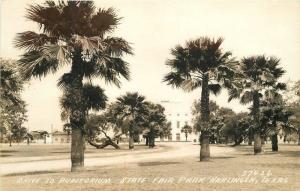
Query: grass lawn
[269, 171]
[40, 150]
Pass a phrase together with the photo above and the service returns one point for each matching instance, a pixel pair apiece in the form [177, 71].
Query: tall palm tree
[201, 63]
[259, 73]
[132, 107]
[74, 33]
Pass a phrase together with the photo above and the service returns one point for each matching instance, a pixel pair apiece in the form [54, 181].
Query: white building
[178, 116]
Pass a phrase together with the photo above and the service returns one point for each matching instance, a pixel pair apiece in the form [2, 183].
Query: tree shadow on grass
[8, 151]
[5, 155]
[213, 159]
[278, 165]
[60, 152]
[156, 163]
[223, 157]
[31, 173]
[290, 153]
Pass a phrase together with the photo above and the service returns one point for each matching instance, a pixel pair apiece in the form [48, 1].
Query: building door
[177, 136]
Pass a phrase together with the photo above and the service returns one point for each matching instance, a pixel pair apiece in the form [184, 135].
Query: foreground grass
[270, 171]
[40, 150]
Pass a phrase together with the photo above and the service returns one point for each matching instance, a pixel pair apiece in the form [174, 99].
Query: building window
[56, 139]
[62, 140]
[178, 114]
[178, 124]
[186, 123]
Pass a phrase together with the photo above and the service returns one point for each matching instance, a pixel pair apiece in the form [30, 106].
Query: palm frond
[32, 41]
[66, 80]
[116, 47]
[234, 93]
[94, 97]
[174, 78]
[247, 97]
[215, 88]
[111, 69]
[89, 45]
[191, 84]
[47, 17]
[39, 63]
[105, 20]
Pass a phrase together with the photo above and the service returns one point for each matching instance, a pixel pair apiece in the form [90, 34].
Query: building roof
[59, 133]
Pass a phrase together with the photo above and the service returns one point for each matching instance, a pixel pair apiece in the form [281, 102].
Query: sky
[153, 27]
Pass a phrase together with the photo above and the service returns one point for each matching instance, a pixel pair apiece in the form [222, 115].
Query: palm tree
[11, 84]
[12, 107]
[156, 122]
[132, 107]
[259, 73]
[201, 63]
[74, 33]
[186, 129]
[275, 116]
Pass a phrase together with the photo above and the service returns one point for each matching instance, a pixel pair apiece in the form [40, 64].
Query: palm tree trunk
[147, 140]
[257, 143]
[274, 142]
[131, 142]
[151, 138]
[204, 149]
[78, 114]
[250, 137]
[131, 138]
[250, 140]
[10, 140]
[257, 136]
[152, 142]
[77, 150]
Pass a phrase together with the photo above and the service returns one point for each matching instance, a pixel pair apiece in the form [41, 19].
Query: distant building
[40, 136]
[178, 118]
[60, 137]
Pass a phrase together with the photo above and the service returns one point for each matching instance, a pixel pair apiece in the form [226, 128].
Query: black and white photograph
[150, 95]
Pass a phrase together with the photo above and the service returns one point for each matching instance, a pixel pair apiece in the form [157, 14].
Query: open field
[24, 150]
[268, 171]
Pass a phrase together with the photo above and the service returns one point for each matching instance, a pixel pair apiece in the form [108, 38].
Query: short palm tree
[132, 107]
[155, 122]
[259, 73]
[201, 63]
[75, 33]
[275, 116]
[11, 84]
[186, 129]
